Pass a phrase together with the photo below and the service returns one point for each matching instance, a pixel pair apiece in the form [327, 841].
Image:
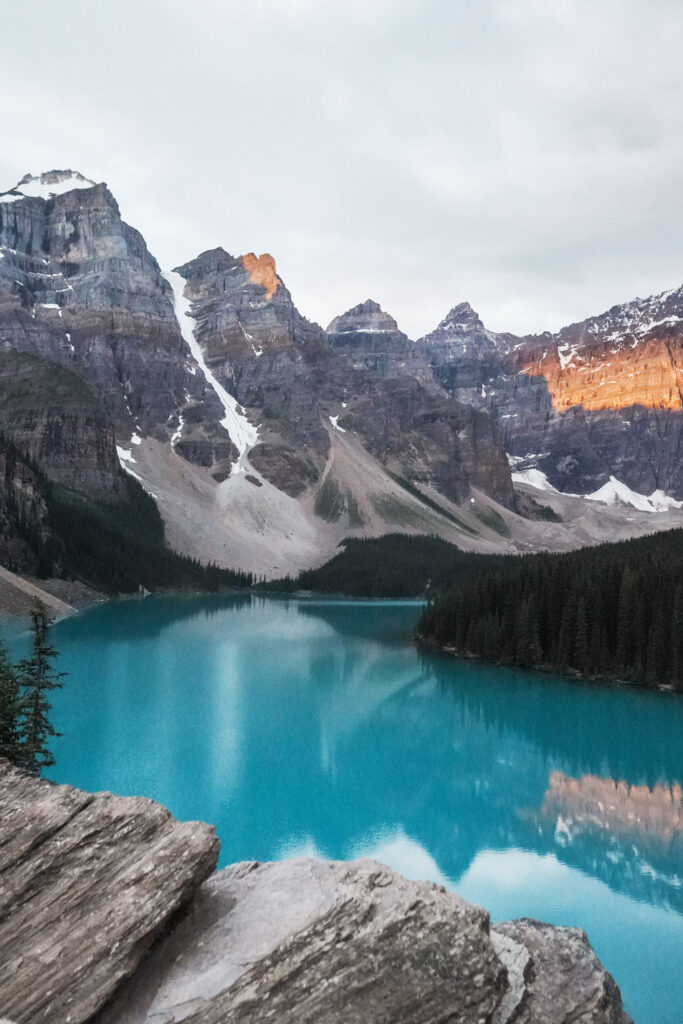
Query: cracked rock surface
[87, 882]
[345, 943]
[108, 915]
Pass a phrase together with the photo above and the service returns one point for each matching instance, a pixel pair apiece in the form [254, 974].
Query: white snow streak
[243, 434]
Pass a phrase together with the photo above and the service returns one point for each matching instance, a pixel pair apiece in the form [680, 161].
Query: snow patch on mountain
[243, 434]
[535, 478]
[615, 493]
[47, 185]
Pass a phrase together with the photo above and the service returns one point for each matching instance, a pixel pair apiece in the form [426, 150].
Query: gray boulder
[336, 943]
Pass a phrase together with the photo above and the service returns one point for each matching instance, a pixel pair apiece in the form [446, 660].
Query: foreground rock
[86, 884]
[335, 943]
[89, 882]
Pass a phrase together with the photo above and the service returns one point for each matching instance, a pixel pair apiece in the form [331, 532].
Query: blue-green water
[318, 728]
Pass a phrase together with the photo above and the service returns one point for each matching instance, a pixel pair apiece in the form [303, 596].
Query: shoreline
[547, 670]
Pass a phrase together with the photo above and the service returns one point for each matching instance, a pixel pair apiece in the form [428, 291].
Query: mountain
[599, 399]
[372, 341]
[263, 440]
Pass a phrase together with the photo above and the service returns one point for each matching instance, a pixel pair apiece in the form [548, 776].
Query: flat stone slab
[87, 882]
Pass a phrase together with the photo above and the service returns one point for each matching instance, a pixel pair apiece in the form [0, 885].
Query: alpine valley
[265, 440]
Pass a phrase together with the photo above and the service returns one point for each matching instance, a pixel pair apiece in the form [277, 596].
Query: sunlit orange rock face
[649, 373]
[616, 807]
[261, 270]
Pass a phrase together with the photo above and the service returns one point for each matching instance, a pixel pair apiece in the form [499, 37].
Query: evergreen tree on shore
[38, 678]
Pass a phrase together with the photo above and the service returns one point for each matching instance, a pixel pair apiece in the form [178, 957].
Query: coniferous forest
[613, 611]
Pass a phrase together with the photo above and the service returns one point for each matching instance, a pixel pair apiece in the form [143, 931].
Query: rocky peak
[261, 270]
[366, 317]
[372, 341]
[462, 325]
[462, 317]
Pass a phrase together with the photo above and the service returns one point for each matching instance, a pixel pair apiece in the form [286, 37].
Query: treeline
[119, 546]
[613, 611]
[25, 727]
[395, 565]
[116, 546]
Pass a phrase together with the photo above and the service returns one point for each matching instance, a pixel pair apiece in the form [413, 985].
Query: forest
[614, 612]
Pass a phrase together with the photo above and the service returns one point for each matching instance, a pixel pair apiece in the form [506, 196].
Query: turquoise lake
[317, 728]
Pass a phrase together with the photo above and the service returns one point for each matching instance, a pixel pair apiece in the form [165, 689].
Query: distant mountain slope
[600, 398]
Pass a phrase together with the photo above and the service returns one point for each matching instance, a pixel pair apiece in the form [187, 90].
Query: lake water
[319, 729]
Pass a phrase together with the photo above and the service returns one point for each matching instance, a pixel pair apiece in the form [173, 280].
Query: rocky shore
[111, 911]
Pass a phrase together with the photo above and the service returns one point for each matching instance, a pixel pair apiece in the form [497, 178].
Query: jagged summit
[259, 270]
[462, 328]
[47, 185]
[461, 318]
[366, 317]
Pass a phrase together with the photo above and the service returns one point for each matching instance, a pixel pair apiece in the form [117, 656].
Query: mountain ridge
[264, 439]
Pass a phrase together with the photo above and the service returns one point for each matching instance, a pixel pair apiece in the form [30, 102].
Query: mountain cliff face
[53, 417]
[273, 361]
[598, 399]
[79, 287]
[26, 531]
[297, 383]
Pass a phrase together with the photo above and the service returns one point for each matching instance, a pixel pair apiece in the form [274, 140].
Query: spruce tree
[581, 648]
[10, 708]
[38, 677]
[677, 639]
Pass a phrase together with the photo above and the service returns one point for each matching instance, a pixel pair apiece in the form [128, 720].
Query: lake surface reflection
[318, 728]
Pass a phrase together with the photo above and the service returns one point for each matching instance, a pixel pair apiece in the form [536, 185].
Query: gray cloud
[522, 154]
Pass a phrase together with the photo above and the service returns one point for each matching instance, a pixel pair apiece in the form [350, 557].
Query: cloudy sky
[524, 155]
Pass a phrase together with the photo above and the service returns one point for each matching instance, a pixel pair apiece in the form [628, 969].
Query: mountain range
[265, 440]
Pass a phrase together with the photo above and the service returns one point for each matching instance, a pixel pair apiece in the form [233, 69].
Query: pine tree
[10, 709]
[626, 652]
[656, 647]
[677, 639]
[37, 679]
[581, 649]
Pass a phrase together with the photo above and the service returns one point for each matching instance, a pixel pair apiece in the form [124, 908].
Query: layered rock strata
[26, 531]
[87, 883]
[372, 341]
[53, 417]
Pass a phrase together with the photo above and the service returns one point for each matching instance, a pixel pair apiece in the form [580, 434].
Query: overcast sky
[525, 155]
